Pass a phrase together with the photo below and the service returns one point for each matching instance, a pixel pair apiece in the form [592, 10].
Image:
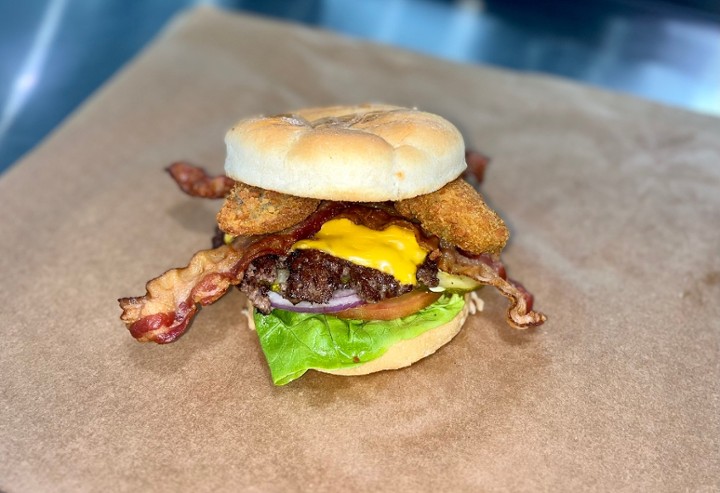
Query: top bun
[365, 153]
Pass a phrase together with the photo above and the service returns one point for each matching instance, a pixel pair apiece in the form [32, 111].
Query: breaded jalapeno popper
[351, 232]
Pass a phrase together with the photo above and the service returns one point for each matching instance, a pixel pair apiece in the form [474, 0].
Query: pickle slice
[455, 283]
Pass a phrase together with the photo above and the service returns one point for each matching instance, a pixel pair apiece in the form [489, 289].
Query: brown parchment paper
[614, 205]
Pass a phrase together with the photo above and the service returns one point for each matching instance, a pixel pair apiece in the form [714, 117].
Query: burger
[352, 233]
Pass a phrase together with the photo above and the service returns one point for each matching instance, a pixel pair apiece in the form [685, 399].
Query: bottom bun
[407, 352]
[403, 353]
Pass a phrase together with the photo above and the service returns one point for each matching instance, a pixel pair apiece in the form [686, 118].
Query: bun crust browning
[364, 153]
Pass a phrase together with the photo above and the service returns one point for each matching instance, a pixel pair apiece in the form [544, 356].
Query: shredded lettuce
[296, 342]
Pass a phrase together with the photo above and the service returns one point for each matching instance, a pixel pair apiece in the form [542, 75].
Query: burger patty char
[312, 275]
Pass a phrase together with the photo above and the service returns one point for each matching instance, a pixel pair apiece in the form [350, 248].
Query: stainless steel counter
[55, 53]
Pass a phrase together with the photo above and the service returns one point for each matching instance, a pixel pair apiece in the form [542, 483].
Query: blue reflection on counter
[55, 53]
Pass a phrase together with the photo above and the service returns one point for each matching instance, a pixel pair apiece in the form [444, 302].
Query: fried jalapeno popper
[353, 235]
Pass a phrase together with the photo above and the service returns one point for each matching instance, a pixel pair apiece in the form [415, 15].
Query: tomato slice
[392, 308]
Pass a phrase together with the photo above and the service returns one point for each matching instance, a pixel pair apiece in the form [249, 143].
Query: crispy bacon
[195, 181]
[489, 270]
[171, 301]
[476, 165]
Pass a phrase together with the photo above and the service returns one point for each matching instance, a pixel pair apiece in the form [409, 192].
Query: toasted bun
[366, 153]
[407, 352]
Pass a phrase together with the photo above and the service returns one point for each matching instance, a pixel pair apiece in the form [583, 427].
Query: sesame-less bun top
[365, 153]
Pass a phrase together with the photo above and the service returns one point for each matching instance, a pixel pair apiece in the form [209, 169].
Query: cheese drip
[394, 250]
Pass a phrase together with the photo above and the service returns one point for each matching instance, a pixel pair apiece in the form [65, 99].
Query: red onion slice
[341, 300]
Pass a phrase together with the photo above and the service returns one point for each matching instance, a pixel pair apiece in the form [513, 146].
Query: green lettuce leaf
[296, 342]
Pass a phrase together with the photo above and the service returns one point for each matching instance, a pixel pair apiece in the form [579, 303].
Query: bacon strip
[476, 165]
[489, 270]
[195, 181]
[171, 301]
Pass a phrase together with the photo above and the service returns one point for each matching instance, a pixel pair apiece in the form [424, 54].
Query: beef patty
[312, 275]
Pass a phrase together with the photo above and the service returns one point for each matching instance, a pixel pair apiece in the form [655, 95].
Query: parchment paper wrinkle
[614, 207]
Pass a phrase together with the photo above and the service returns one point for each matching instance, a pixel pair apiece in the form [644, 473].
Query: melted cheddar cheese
[394, 250]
